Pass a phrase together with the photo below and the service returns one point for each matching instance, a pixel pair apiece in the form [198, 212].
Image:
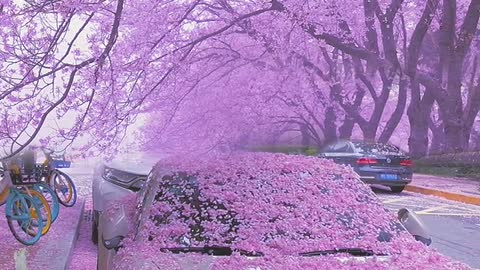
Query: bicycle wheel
[64, 187]
[51, 198]
[18, 210]
[45, 211]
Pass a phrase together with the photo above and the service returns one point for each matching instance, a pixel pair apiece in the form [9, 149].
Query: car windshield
[286, 207]
[376, 148]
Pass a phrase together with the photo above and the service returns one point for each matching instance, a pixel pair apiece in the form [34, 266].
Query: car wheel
[397, 189]
[95, 227]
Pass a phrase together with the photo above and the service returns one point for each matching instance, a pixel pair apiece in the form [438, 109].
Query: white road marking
[427, 205]
[431, 209]
[394, 200]
[454, 214]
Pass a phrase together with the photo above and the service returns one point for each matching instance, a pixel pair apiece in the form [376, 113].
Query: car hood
[137, 163]
[408, 260]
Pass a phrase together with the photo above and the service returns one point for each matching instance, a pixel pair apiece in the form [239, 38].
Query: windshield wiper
[212, 250]
[360, 252]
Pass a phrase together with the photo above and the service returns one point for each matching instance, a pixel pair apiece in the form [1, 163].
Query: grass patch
[287, 149]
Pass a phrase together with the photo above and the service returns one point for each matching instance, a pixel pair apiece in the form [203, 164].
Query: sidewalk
[52, 252]
[451, 188]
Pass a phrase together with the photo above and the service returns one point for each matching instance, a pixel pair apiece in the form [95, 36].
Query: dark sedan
[376, 163]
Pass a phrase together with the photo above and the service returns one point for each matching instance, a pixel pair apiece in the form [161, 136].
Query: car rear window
[375, 148]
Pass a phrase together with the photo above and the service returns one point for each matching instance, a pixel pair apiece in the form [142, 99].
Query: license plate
[388, 176]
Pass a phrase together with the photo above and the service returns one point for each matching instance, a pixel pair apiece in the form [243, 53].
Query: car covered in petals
[260, 211]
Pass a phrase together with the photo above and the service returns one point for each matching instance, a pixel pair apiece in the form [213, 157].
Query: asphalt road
[454, 227]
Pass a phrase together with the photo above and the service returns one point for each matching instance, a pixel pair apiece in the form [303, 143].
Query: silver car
[118, 178]
[171, 187]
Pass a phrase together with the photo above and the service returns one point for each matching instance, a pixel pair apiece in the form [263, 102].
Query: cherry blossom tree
[232, 70]
[50, 64]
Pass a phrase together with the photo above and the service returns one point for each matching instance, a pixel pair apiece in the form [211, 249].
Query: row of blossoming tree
[211, 73]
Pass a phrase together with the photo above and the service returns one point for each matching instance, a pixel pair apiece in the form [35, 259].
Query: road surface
[454, 227]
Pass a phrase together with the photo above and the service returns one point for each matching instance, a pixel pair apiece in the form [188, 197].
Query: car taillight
[407, 162]
[366, 161]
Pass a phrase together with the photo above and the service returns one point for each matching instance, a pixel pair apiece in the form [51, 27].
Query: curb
[75, 238]
[444, 194]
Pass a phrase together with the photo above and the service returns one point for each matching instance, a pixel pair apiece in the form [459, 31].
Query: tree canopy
[210, 73]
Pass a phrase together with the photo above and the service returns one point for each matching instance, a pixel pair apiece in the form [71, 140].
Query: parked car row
[254, 207]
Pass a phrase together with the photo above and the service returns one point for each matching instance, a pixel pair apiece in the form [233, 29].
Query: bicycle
[23, 183]
[23, 210]
[58, 181]
[49, 195]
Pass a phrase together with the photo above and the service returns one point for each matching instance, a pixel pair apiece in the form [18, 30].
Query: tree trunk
[346, 129]
[418, 116]
[419, 109]
[472, 106]
[305, 135]
[418, 140]
[452, 56]
[453, 110]
[397, 114]
[437, 146]
[469, 120]
[453, 134]
[475, 145]
[369, 132]
[330, 132]
[467, 132]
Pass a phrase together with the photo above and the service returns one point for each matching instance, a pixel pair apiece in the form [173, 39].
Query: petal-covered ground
[85, 252]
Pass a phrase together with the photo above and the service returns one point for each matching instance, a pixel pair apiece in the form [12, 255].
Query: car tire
[397, 189]
[95, 227]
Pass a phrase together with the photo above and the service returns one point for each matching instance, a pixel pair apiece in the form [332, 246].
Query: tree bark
[346, 129]
[452, 57]
[330, 132]
[397, 114]
[473, 105]
[437, 146]
[418, 116]
[419, 109]
[305, 135]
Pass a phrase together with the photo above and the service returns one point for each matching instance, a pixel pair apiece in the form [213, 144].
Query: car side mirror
[414, 226]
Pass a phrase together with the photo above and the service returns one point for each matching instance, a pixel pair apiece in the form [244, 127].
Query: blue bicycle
[24, 211]
[24, 217]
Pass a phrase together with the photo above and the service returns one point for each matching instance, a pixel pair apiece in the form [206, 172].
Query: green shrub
[311, 152]
[286, 149]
